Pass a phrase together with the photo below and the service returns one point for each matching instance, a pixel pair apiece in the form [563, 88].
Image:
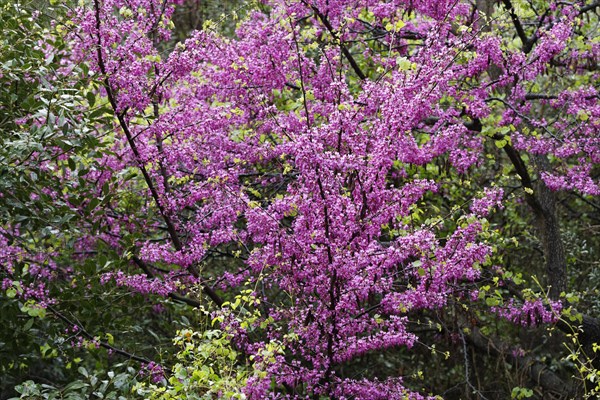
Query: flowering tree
[338, 178]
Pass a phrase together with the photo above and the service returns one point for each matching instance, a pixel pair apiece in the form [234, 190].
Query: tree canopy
[299, 199]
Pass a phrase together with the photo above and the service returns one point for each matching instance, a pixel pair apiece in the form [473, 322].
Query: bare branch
[83, 332]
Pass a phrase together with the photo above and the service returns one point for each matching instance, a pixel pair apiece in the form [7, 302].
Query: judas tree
[340, 186]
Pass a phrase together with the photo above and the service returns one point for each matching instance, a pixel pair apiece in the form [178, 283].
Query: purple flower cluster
[154, 371]
[530, 312]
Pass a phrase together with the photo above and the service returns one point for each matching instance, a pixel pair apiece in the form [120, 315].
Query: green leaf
[105, 189]
[582, 115]
[83, 371]
[501, 143]
[93, 204]
[91, 98]
[28, 324]
[492, 301]
[77, 384]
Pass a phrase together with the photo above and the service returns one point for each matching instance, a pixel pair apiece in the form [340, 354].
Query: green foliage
[207, 367]
[49, 145]
[582, 359]
[209, 364]
[108, 385]
[521, 393]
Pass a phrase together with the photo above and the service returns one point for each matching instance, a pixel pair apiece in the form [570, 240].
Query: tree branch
[176, 296]
[538, 372]
[81, 331]
[345, 50]
[588, 334]
[121, 117]
[543, 203]
[527, 43]
[589, 7]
